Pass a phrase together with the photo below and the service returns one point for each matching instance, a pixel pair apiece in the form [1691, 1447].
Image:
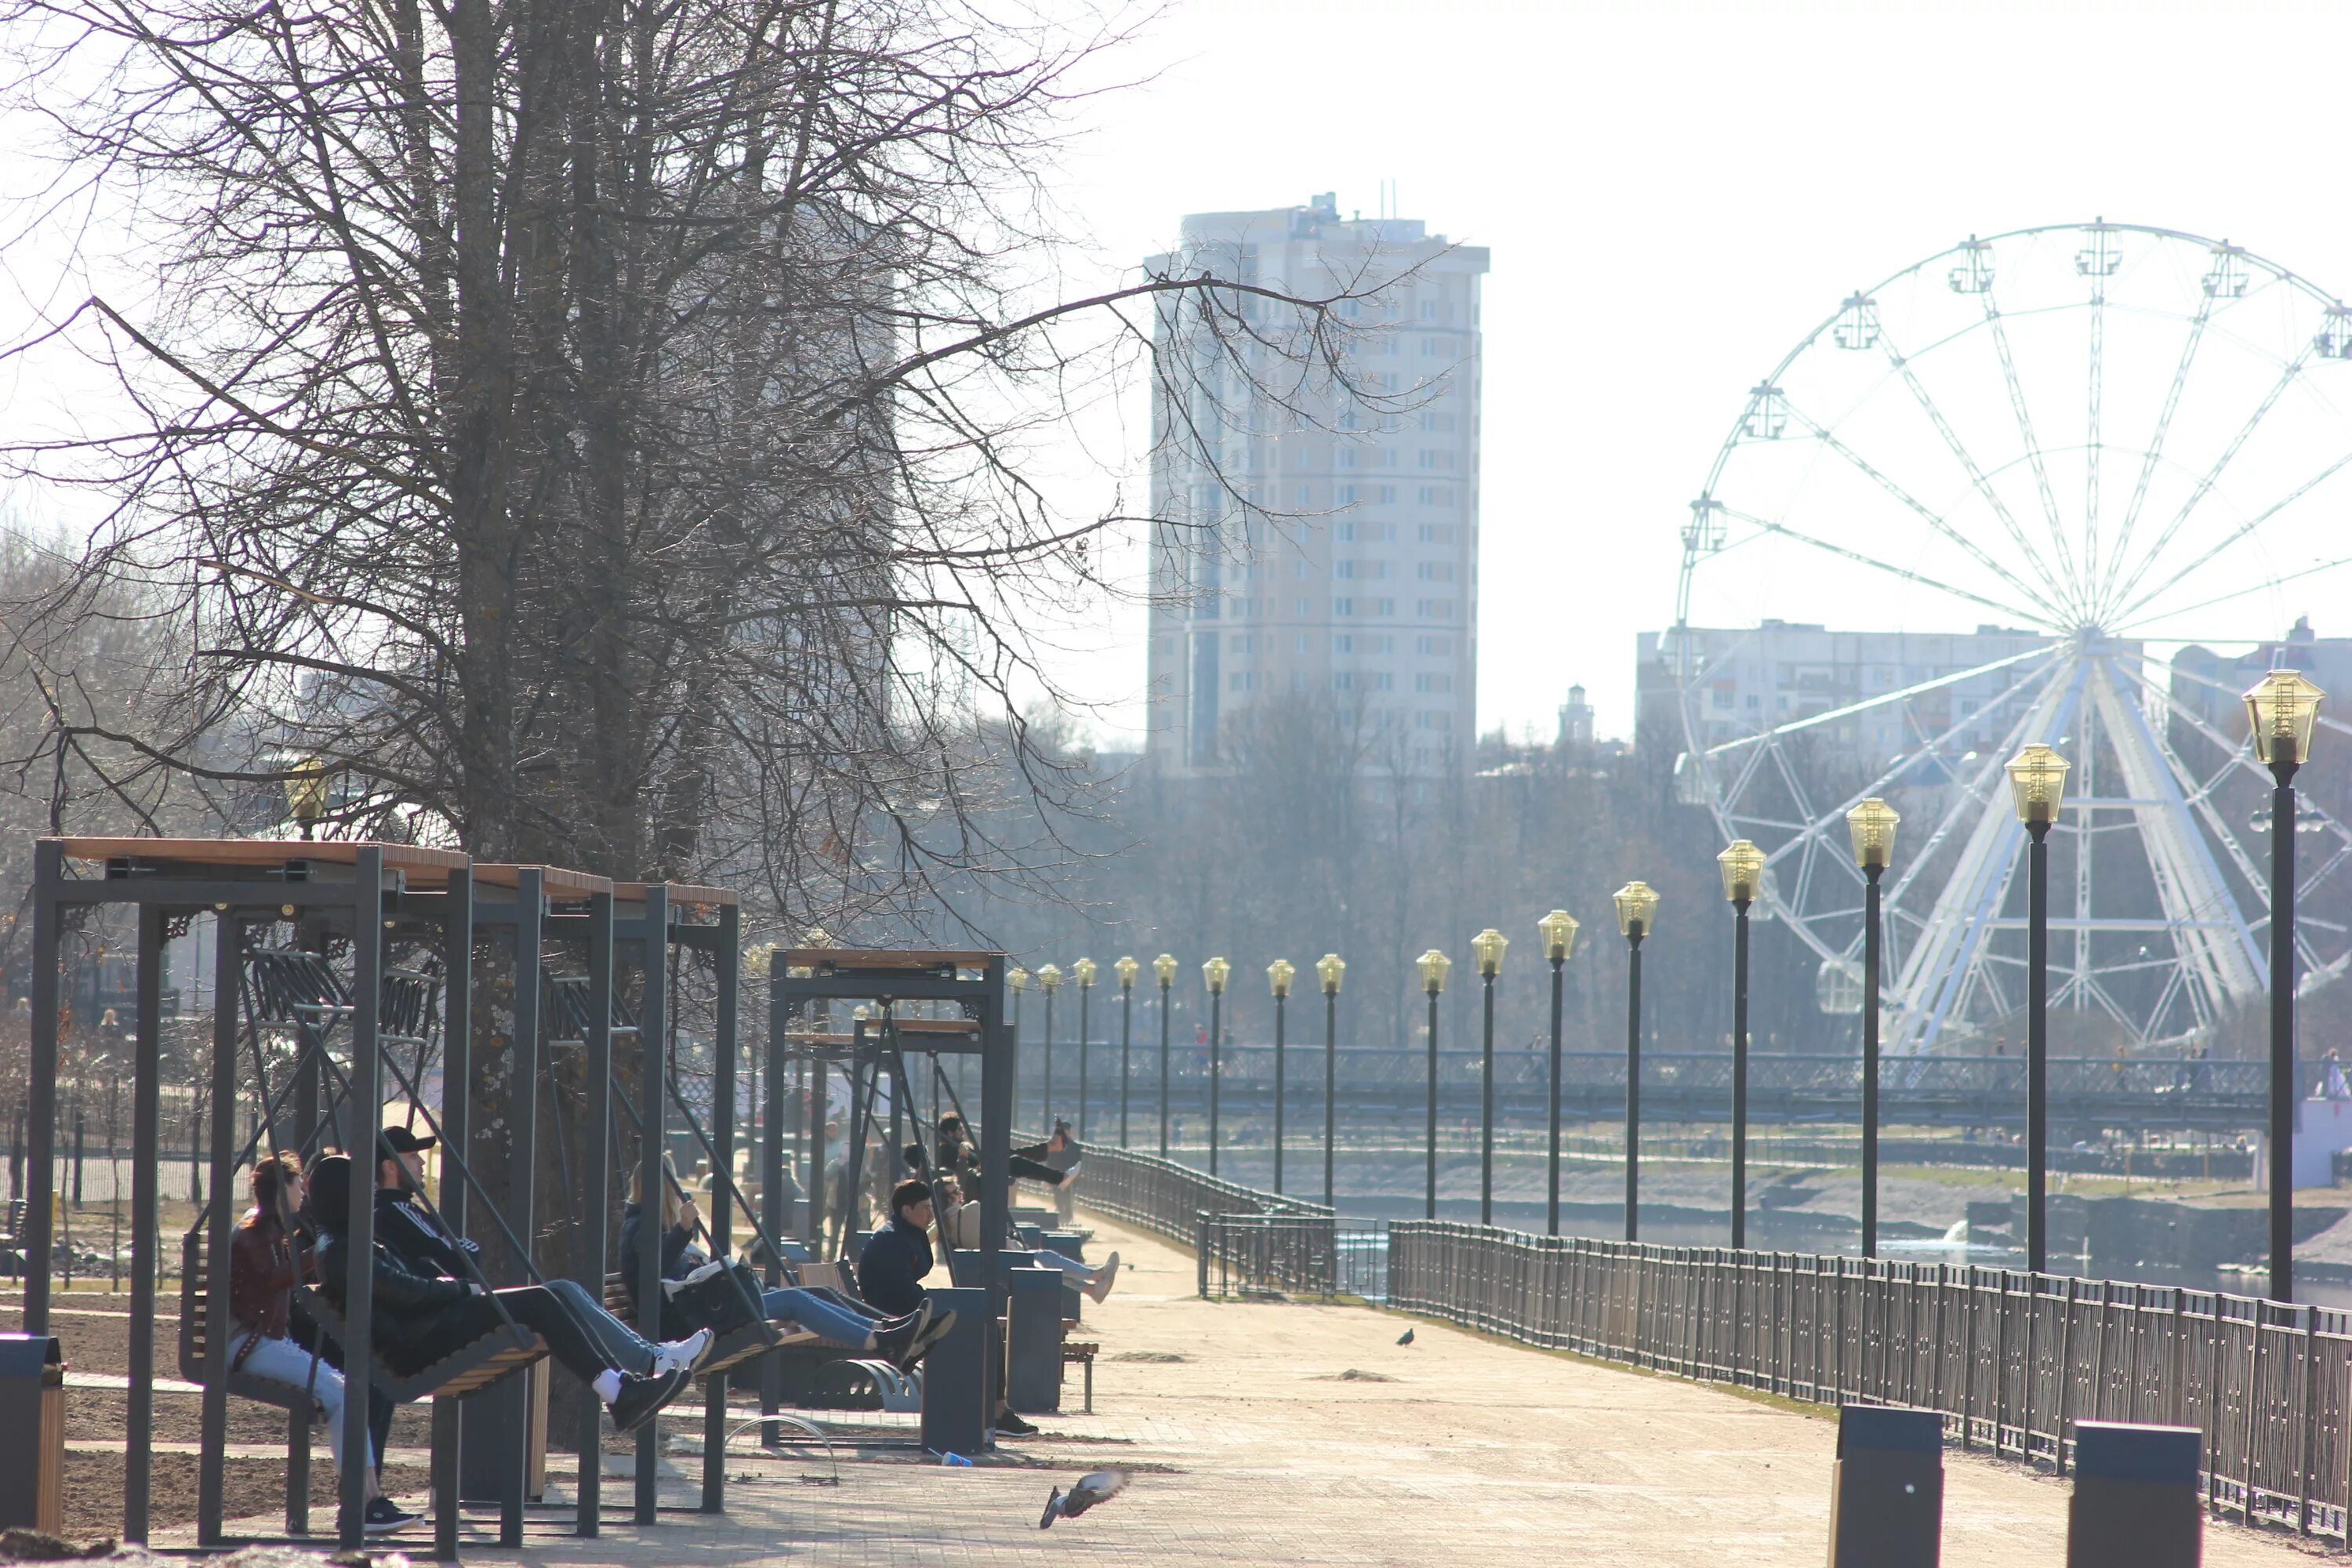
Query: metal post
[41, 1095]
[595, 1183]
[653, 1098]
[522, 1134]
[1125, 1045]
[1281, 1009]
[1429, 1199]
[1085, 1000]
[2037, 1046]
[1330, 1086]
[771, 1196]
[2285, 1088]
[1739, 1069]
[996, 1088]
[362, 1116]
[1551, 1206]
[1045, 1078]
[1217, 1068]
[212, 1462]
[1163, 1070]
[146, 1136]
[1871, 936]
[726, 959]
[1633, 1086]
[457, 1132]
[1487, 1112]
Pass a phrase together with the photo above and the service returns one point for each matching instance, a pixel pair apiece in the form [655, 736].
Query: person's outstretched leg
[623, 1345]
[633, 1399]
[818, 1315]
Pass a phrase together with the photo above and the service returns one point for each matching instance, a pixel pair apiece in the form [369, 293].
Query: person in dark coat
[891, 1268]
[419, 1319]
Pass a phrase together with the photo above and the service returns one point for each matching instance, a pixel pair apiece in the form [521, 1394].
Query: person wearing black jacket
[414, 1236]
[421, 1318]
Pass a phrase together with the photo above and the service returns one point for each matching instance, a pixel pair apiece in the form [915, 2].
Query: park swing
[297, 989]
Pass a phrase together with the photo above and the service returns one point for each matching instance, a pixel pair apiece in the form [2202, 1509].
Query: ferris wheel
[2052, 485]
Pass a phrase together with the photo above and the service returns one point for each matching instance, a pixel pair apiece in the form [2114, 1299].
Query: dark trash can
[32, 1432]
[2137, 1501]
[1886, 1489]
[1033, 1381]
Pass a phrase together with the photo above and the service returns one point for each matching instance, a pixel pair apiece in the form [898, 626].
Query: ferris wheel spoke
[2033, 444]
[1904, 573]
[2243, 532]
[2209, 478]
[1968, 462]
[2280, 580]
[2154, 453]
[2091, 448]
[1928, 514]
[1900, 695]
[2203, 804]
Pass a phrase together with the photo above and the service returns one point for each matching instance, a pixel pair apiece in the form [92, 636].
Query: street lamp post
[1164, 968]
[2283, 709]
[1050, 977]
[1637, 912]
[1279, 975]
[2037, 780]
[1742, 865]
[1558, 931]
[1018, 978]
[1215, 972]
[1127, 968]
[1871, 826]
[1488, 947]
[1084, 973]
[1330, 968]
[306, 796]
[1433, 965]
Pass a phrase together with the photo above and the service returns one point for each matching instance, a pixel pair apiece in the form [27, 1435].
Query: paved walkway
[1304, 1435]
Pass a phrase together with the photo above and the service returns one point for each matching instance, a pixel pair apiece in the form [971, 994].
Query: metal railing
[1291, 1254]
[1163, 1196]
[2010, 1359]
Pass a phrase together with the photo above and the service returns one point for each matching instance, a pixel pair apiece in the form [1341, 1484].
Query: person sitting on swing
[415, 1235]
[261, 1275]
[420, 1318]
[904, 1339]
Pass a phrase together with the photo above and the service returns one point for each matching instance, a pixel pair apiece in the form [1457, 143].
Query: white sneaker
[1104, 1278]
[681, 1355]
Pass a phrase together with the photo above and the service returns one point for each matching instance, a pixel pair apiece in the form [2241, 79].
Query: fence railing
[2010, 1359]
[1164, 1197]
[1318, 1255]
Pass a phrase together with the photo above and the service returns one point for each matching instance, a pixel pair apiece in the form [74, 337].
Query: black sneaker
[642, 1398]
[384, 1516]
[927, 1340]
[1012, 1425]
[896, 1338]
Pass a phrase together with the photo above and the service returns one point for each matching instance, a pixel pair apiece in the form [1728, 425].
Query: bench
[196, 1297]
[737, 1345]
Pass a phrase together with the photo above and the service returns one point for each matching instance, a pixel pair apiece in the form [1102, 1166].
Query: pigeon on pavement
[1084, 1493]
[1405, 1338]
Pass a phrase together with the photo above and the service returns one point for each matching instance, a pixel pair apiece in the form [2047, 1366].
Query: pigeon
[1084, 1493]
[1405, 1338]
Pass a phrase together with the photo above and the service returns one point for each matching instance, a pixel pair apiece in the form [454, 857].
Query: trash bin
[1032, 1379]
[32, 1432]
[955, 1414]
[1886, 1490]
[2136, 1499]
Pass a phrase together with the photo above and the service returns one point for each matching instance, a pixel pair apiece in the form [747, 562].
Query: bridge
[1373, 1083]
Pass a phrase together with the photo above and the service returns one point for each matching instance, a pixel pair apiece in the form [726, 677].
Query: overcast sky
[1673, 196]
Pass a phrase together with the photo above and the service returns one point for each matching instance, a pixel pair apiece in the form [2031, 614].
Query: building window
[1348, 607]
[1383, 680]
[1436, 457]
[1298, 607]
[1435, 570]
[1433, 609]
[1347, 530]
[1433, 683]
[1347, 456]
[1343, 569]
[1384, 606]
[1436, 533]
[1388, 495]
[1434, 421]
[1343, 680]
[1723, 697]
[1343, 642]
[1298, 643]
[1377, 571]
[1437, 647]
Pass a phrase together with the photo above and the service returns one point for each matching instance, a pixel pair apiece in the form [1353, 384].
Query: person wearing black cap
[414, 1236]
[421, 1318]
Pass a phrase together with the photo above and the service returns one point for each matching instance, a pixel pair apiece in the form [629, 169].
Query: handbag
[721, 1296]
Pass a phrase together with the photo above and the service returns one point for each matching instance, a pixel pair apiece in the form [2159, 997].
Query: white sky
[1674, 196]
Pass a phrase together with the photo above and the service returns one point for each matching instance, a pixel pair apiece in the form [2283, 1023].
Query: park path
[1301, 1434]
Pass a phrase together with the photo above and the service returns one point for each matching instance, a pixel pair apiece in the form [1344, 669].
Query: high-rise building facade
[1345, 573]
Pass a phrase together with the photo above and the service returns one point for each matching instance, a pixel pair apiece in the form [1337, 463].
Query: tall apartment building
[1369, 600]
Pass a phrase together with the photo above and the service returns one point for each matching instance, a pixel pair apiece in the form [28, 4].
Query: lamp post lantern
[1331, 969]
[2037, 782]
[1164, 968]
[1050, 977]
[1216, 971]
[306, 794]
[1558, 931]
[1084, 973]
[1488, 947]
[1278, 976]
[2283, 709]
[1742, 865]
[1637, 912]
[1127, 968]
[1871, 825]
[1433, 965]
